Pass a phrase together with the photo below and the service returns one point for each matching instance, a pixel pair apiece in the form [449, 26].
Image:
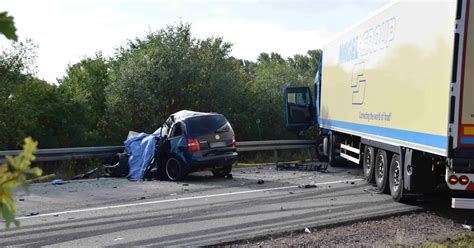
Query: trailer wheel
[396, 178]
[368, 164]
[381, 171]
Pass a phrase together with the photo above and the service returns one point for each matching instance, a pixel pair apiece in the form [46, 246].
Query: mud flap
[418, 176]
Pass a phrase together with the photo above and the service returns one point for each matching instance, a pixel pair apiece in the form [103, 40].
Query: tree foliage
[169, 70]
[14, 174]
[101, 98]
[7, 26]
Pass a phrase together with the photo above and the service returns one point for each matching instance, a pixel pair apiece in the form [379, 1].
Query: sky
[68, 30]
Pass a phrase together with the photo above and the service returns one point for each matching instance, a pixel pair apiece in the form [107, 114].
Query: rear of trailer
[395, 93]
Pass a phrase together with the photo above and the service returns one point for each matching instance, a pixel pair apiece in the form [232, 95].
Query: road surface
[202, 210]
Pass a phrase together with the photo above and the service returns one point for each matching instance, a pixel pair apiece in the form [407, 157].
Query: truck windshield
[207, 124]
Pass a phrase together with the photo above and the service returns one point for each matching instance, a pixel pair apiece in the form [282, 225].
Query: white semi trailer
[395, 94]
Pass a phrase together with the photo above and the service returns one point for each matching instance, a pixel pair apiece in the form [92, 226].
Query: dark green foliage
[7, 26]
[100, 99]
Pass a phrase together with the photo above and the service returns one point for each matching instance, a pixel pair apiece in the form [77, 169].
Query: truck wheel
[332, 151]
[396, 178]
[368, 164]
[174, 170]
[320, 149]
[381, 171]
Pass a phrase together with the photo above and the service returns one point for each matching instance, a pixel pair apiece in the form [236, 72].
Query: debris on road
[33, 214]
[307, 186]
[85, 175]
[185, 184]
[21, 199]
[306, 230]
[41, 179]
[467, 227]
[260, 181]
[58, 182]
[319, 166]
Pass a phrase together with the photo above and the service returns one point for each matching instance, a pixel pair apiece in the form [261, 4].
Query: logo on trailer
[358, 84]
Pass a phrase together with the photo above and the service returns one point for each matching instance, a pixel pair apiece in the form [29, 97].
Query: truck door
[298, 108]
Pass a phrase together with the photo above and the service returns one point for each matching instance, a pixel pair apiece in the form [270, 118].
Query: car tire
[382, 171]
[175, 170]
[222, 172]
[369, 164]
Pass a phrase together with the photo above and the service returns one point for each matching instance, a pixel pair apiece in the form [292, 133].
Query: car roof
[186, 114]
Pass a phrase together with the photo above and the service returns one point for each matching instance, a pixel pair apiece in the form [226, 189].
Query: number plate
[217, 144]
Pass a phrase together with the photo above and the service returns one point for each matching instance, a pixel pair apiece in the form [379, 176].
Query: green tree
[47, 114]
[85, 83]
[168, 71]
[17, 66]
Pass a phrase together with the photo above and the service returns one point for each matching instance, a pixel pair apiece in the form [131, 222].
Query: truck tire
[332, 151]
[320, 149]
[368, 164]
[175, 170]
[395, 178]
[381, 171]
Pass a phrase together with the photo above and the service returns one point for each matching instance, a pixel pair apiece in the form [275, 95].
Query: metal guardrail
[58, 154]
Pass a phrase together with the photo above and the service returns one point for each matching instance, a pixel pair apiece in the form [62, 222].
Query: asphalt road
[202, 210]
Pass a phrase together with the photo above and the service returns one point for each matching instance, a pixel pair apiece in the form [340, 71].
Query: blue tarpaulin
[140, 150]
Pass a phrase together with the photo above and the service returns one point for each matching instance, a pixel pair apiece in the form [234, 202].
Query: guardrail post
[275, 156]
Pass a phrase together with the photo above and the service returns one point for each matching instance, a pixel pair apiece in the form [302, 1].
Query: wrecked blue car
[193, 141]
[186, 142]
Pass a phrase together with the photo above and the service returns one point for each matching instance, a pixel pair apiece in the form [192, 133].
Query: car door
[175, 139]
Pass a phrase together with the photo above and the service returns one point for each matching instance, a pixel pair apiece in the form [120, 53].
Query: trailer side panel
[388, 78]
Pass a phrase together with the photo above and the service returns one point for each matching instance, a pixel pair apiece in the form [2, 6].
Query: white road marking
[179, 199]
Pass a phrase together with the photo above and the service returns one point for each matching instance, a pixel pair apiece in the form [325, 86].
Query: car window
[207, 124]
[176, 131]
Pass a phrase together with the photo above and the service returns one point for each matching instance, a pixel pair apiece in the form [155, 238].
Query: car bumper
[214, 162]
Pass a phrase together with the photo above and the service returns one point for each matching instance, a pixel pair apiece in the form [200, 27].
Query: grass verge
[462, 240]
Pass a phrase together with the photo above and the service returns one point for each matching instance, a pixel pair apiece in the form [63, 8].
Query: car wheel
[174, 170]
[381, 171]
[368, 164]
[222, 172]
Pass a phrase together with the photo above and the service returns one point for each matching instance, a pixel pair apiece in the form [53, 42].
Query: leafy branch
[7, 26]
[13, 174]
